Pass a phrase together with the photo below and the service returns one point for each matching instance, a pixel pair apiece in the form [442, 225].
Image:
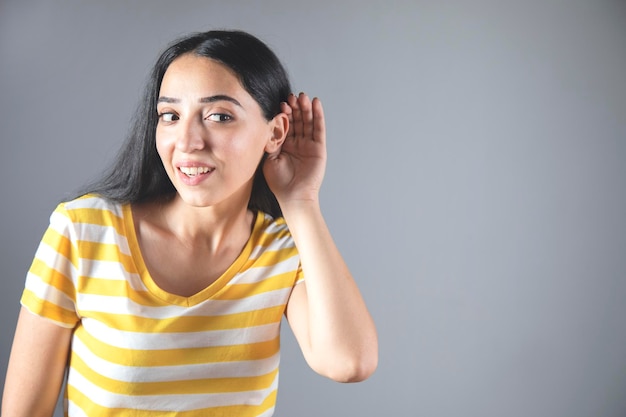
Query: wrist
[299, 205]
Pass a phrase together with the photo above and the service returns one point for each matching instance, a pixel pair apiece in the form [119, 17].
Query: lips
[194, 171]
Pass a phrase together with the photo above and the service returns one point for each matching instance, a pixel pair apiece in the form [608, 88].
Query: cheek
[159, 148]
[244, 159]
[162, 148]
[249, 145]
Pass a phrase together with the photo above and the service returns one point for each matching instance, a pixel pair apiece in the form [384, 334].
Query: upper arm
[297, 317]
[36, 366]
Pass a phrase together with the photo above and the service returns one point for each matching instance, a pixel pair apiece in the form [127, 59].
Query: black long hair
[137, 174]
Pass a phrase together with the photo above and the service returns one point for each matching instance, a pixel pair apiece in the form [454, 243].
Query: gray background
[476, 180]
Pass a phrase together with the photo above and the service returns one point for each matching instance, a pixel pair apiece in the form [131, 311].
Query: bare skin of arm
[36, 367]
[326, 313]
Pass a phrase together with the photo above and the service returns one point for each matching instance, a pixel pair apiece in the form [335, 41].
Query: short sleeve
[50, 283]
[299, 274]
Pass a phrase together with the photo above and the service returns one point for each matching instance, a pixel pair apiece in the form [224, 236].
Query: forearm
[341, 336]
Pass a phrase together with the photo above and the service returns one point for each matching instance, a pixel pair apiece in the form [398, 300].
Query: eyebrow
[209, 99]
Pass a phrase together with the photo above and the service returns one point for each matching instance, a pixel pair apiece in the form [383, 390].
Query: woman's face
[211, 134]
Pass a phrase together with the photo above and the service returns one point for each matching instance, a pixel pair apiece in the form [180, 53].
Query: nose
[191, 135]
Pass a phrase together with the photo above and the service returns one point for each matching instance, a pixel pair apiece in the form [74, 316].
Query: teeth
[193, 171]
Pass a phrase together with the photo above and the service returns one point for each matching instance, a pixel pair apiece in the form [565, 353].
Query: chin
[196, 200]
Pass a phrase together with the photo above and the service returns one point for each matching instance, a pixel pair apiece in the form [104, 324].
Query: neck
[213, 228]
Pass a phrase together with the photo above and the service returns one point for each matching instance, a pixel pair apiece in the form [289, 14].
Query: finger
[292, 102]
[286, 109]
[319, 123]
[307, 116]
[296, 114]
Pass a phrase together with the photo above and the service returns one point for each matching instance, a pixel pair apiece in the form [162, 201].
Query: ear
[279, 126]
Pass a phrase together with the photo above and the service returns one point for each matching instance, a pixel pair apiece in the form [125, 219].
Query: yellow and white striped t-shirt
[140, 351]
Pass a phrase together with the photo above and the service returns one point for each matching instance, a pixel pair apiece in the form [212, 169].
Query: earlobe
[280, 127]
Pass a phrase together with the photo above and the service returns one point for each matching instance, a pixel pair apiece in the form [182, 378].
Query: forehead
[190, 72]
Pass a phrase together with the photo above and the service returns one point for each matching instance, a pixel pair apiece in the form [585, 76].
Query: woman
[161, 288]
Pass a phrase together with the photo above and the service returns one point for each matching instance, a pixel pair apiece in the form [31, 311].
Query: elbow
[356, 368]
[358, 372]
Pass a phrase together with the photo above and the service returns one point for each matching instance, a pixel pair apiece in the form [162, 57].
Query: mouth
[195, 171]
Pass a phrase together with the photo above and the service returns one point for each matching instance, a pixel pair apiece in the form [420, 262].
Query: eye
[219, 117]
[168, 117]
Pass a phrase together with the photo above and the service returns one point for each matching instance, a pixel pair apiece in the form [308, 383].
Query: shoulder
[273, 249]
[86, 212]
[271, 235]
[272, 230]
[88, 206]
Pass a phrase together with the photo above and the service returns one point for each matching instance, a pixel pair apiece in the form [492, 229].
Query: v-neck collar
[203, 294]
